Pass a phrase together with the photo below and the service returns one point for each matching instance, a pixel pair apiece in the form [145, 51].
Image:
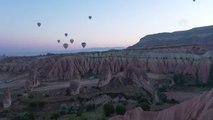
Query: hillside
[201, 36]
[188, 110]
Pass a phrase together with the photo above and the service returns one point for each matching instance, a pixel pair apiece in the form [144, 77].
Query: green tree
[54, 116]
[144, 104]
[210, 81]
[120, 109]
[109, 109]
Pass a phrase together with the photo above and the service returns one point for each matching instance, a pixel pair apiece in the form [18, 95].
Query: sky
[114, 23]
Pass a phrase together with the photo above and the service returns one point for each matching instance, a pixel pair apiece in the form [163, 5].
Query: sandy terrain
[12, 81]
[64, 84]
[156, 76]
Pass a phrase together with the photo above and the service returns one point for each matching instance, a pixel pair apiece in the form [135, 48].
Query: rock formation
[67, 68]
[111, 67]
[198, 108]
[7, 100]
[32, 82]
[75, 87]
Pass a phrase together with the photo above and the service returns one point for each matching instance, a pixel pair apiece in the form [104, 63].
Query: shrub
[184, 79]
[19, 95]
[68, 92]
[162, 97]
[76, 117]
[159, 103]
[172, 101]
[179, 79]
[210, 81]
[37, 104]
[32, 104]
[109, 109]
[41, 104]
[162, 89]
[64, 109]
[144, 103]
[90, 107]
[54, 116]
[47, 95]
[145, 106]
[30, 96]
[25, 116]
[102, 118]
[120, 109]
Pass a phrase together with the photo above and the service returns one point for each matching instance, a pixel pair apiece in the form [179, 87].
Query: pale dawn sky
[114, 23]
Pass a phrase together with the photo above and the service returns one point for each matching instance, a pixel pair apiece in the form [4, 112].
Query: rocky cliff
[198, 108]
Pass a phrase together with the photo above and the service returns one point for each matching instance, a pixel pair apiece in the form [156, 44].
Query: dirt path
[64, 84]
[12, 81]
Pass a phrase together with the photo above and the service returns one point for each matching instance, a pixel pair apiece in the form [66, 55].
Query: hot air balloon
[83, 44]
[193, 0]
[72, 40]
[90, 17]
[65, 34]
[65, 45]
[39, 24]
[58, 41]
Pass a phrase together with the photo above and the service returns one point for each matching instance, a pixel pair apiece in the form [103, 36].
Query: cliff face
[198, 108]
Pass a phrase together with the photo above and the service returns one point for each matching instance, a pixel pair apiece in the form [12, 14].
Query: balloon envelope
[83, 44]
[90, 17]
[66, 34]
[58, 41]
[39, 24]
[72, 40]
[65, 45]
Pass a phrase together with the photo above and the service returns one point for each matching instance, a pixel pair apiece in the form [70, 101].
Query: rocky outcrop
[32, 82]
[110, 68]
[75, 87]
[7, 100]
[198, 108]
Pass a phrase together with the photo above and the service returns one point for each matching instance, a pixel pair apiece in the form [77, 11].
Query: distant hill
[196, 36]
[44, 52]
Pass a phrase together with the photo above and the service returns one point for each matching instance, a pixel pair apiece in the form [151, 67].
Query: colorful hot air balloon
[72, 40]
[58, 41]
[38, 24]
[65, 34]
[65, 45]
[83, 44]
[90, 17]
